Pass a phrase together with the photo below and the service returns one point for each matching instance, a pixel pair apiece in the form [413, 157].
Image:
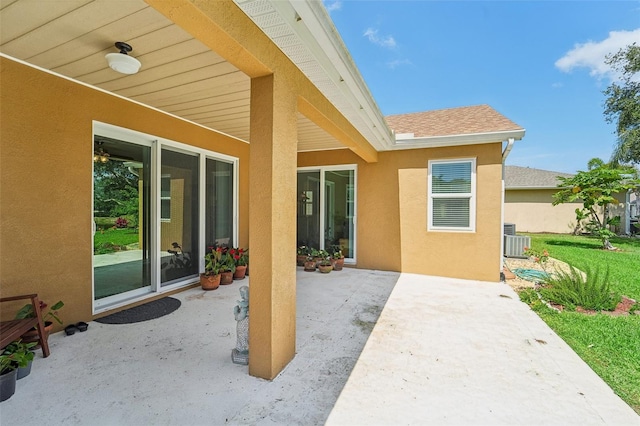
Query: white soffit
[305, 33]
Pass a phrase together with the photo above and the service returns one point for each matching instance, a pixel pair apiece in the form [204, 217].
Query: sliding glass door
[121, 217]
[327, 208]
[340, 210]
[179, 216]
[157, 205]
[219, 216]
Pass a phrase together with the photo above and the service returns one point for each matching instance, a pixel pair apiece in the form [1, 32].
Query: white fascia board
[312, 24]
[456, 140]
[531, 188]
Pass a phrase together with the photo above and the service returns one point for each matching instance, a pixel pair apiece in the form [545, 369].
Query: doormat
[148, 311]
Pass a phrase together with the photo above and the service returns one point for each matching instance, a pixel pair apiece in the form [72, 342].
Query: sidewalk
[460, 352]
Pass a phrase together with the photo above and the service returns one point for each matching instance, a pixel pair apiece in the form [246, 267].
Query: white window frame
[471, 196]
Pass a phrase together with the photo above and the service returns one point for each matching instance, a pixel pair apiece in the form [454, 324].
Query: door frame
[157, 144]
[340, 167]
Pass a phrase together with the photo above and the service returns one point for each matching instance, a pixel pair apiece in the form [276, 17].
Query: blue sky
[540, 63]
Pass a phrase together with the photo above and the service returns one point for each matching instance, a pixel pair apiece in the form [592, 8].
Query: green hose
[531, 274]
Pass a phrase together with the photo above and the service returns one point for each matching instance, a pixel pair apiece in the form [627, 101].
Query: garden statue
[240, 355]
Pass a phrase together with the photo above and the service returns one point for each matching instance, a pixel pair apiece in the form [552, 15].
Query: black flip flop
[82, 326]
[70, 330]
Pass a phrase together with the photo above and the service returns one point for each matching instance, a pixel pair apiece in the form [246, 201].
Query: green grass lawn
[609, 345]
[105, 241]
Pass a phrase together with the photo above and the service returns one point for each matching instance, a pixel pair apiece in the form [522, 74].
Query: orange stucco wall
[392, 213]
[532, 211]
[46, 150]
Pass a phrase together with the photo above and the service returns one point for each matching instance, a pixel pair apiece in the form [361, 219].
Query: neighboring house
[248, 124]
[529, 197]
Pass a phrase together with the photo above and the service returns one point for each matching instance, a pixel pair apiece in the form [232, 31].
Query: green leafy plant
[213, 261]
[240, 256]
[538, 256]
[572, 289]
[227, 263]
[596, 189]
[27, 312]
[304, 250]
[16, 354]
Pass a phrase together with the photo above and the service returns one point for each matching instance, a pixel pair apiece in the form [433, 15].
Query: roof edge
[456, 140]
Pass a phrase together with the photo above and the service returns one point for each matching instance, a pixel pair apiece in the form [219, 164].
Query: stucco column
[272, 226]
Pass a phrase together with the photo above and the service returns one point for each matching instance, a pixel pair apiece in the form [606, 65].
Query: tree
[596, 189]
[115, 190]
[622, 106]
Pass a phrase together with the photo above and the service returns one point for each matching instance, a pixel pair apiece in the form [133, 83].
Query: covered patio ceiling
[179, 74]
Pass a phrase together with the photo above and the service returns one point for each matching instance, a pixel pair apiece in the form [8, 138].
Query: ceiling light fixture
[100, 155]
[122, 62]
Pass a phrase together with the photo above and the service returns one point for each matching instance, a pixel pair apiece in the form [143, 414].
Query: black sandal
[70, 330]
[82, 326]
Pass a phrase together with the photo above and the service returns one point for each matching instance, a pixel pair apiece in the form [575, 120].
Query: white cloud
[394, 64]
[334, 5]
[592, 54]
[557, 85]
[387, 41]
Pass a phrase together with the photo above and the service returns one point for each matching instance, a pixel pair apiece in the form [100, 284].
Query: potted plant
[311, 262]
[52, 315]
[320, 255]
[210, 279]
[303, 253]
[325, 265]
[241, 259]
[23, 355]
[14, 356]
[338, 258]
[227, 267]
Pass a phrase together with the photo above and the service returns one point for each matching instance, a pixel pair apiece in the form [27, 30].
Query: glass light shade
[122, 63]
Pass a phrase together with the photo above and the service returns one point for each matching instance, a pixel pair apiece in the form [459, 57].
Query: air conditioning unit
[514, 245]
[509, 229]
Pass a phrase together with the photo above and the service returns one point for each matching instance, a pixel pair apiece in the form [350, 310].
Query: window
[451, 193]
[165, 198]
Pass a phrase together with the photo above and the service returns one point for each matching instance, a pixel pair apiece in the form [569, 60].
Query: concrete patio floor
[442, 352]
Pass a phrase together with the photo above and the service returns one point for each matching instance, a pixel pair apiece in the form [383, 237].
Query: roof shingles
[453, 121]
[516, 177]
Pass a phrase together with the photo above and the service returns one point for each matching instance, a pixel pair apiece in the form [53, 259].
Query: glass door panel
[339, 210]
[219, 204]
[308, 223]
[121, 215]
[179, 224]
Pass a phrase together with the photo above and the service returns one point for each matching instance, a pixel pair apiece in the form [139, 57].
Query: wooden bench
[13, 329]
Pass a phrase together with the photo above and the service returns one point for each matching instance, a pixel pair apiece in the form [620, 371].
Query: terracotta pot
[226, 278]
[209, 282]
[240, 272]
[300, 259]
[310, 265]
[32, 335]
[338, 264]
[325, 269]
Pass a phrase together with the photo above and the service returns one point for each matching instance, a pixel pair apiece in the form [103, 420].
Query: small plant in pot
[14, 356]
[227, 268]
[210, 279]
[337, 257]
[302, 254]
[51, 315]
[325, 266]
[241, 260]
[311, 261]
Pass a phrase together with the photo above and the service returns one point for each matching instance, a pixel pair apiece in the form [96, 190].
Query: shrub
[121, 222]
[572, 289]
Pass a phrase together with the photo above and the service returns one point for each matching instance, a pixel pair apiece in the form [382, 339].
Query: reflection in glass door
[339, 210]
[308, 209]
[326, 209]
[219, 204]
[121, 215]
[179, 225]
